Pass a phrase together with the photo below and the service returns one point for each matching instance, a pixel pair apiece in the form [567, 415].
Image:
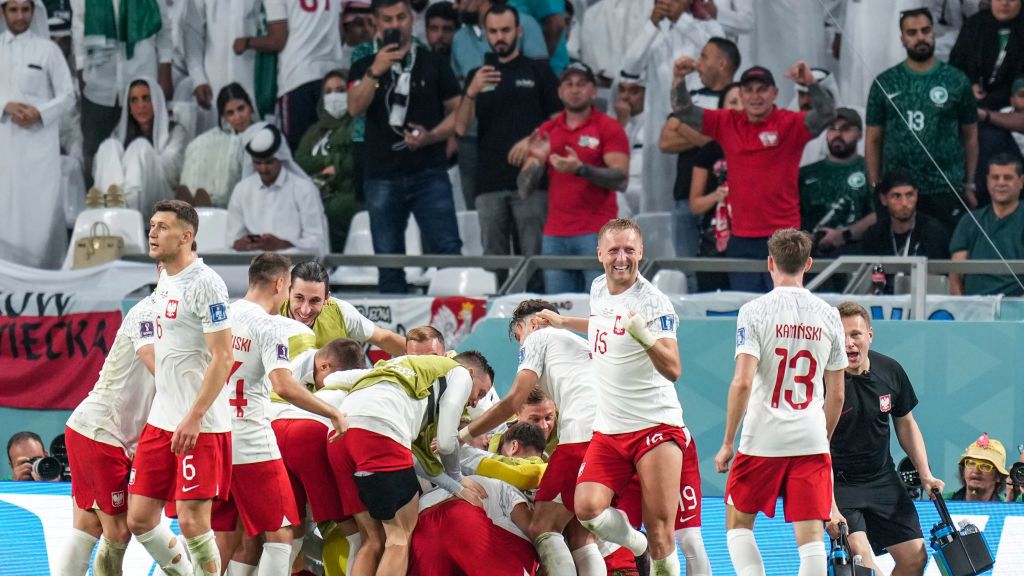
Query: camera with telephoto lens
[59, 450]
[47, 468]
[1017, 474]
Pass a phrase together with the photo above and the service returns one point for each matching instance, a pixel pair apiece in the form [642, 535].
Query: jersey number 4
[239, 401]
[807, 378]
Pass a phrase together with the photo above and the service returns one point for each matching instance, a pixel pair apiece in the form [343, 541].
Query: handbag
[99, 247]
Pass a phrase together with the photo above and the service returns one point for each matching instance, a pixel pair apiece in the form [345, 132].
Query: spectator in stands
[278, 207]
[356, 29]
[608, 28]
[103, 61]
[785, 31]
[671, 33]
[1010, 118]
[762, 145]
[442, 23]
[983, 472]
[325, 154]
[23, 448]
[588, 153]
[551, 15]
[936, 102]
[1003, 223]
[902, 230]
[835, 200]
[308, 46]
[214, 160]
[629, 111]
[36, 93]
[408, 95]
[509, 101]
[144, 155]
[470, 42]
[716, 66]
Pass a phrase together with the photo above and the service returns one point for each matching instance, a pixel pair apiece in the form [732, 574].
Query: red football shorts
[688, 514]
[99, 473]
[559, 478]
[611, 458]
[204, 472]
[303, 445]
[483, 547]
[360, 450]
[261, 495]
[803, 482]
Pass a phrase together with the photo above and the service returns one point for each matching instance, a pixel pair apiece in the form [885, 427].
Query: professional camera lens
[47, 467]
[1017, 473]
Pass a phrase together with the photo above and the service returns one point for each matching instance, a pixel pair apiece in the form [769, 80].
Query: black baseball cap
[758, 74]
[851, 116]
[578, 68]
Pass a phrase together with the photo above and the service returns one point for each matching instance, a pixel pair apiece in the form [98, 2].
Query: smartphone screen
[392, 36]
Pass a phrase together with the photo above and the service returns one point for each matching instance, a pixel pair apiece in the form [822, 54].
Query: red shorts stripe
[803, 482]
[559, 478]
[303, 445]
[99, 473]
[261, 496]
[360, 450]
[202, 473]
[688, 515]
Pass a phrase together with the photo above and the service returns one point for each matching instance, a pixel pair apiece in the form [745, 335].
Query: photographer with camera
[29, 461]
[869, 495]
[1015, 484]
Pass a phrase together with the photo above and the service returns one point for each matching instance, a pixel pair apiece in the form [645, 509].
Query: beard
[918, 55]
[503, 50]
[841, 149]
[578, 108]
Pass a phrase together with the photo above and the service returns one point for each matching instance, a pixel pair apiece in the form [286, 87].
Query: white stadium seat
[213, 230]
[123, 222]
[658, 234]
[671, 282]
[469, 231]
[462, 282]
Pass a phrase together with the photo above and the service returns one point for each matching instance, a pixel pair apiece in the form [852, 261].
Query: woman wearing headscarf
[213, 161]
[145, 153]
[325, 153]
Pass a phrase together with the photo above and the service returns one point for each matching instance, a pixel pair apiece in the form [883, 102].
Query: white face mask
[336, 103]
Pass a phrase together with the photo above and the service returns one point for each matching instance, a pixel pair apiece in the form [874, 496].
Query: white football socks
[239, 569]
[612, 525]
[274, 561]
[554, 554]
[667, 566]
[74, 559]
[812, 559]
[589, 561]
[746, 558]
[691, 544]
[167, 550]
[109, 558]
[205, 556]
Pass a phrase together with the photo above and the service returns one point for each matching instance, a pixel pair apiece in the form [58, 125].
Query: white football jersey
[186, 307]
[632, 394]
[260, 346]
[502, 498]
[116, 409]
[796, 337]
[314, 40]
[286, 411]
[562, 361]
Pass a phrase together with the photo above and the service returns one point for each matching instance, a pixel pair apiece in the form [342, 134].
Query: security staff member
[869, 496]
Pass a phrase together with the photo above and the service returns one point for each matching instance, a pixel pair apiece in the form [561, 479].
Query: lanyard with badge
[906, 244]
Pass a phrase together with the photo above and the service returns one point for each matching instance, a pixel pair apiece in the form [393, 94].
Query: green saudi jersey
[934, 104]
[834, 194]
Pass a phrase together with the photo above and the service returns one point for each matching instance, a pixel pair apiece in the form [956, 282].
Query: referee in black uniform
[869, 496]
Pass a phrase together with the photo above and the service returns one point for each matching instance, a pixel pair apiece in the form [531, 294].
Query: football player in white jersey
[638, 430]
[184, 451]
[261, 493]
[101, 436]
[788, 389]
[558, 362]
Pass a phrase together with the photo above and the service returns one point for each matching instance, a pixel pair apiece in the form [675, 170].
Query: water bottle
[878, 280]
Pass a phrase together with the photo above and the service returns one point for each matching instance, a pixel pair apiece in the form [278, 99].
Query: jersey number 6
[806, 379]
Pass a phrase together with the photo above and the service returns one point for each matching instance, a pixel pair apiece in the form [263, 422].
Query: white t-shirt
[632, 394]
[260, 346]
[314, 40]
[562, 361]
[796, 337]
[502, 498]
[359, 327]
[116, 409]
[186, 307]
[285, 411]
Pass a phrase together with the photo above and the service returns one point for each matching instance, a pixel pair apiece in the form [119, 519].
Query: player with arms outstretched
[789, 383]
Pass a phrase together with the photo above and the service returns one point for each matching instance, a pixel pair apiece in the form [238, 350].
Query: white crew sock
[667, 566]
[109, 558]
[746, 558]
[77, 551]
[167, 550]
[205, 556]
[296, 550]
[275, 559]
[812, 559]
[589, 561]
[554, 554]
[239, 569]
[355, 542]
[612, 525]
[691, 544]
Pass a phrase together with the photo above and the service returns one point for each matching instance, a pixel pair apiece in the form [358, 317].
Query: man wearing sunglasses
[983, 472]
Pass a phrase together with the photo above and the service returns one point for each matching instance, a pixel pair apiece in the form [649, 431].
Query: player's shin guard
[667, 566]
[109, 558]
[691, 544]
[166, 550]
[812, 559]
[74, 559]
[239, 569]
[205, 556]
[746, 558]
[589, 561]
[612, 525]
[554, 554]
[275, 559]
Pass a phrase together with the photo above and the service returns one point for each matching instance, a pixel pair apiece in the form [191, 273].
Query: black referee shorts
[384, 493]
[881, 508]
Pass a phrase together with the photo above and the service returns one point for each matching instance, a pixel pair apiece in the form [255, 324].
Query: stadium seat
[658, 234]
[671, 282]
[360, 242]
[462, 282]
[469, 231]
[213, 230]
[123, 222]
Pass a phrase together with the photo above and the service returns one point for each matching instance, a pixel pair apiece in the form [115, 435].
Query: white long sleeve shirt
[209, 29]
[314, 41]
[607, 30]
[290, 209]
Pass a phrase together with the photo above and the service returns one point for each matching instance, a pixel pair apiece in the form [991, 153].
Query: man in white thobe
[35, 93]
[208, 30]
[278, 208]
[786, 31]
[607, 31]
[669, 33]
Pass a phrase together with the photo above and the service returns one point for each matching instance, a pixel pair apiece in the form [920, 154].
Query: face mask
[336, 103]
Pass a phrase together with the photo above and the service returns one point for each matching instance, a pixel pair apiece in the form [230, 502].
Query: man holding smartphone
[408, 95]
[510, 96]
